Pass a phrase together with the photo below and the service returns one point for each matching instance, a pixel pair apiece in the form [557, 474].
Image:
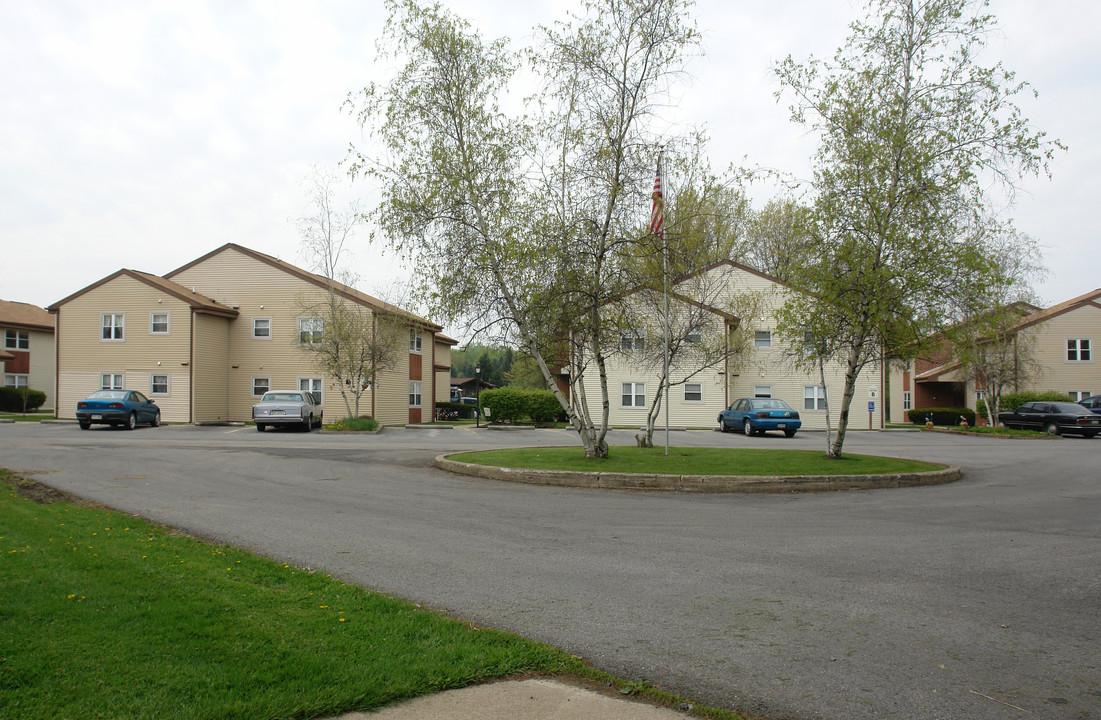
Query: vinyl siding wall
[210, 368]
[84, 355]
[1051, 351]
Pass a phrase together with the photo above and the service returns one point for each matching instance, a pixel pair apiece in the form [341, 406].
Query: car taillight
[762, 414]
[115, 405]
[795, 415]
[81, 405]
[1085, 421]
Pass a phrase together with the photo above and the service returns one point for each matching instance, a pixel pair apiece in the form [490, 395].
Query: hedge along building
[725, 298]
[27, 355]
[207, 339]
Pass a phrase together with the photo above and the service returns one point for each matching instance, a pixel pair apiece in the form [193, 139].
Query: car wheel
[722, 425]
[132, 421]
[747, 428]
[85, 425]
[156, 422]
[1088, 435]
[260, 427]
[309, 422]
[320, 419]
[789, 433]
[1051, 429]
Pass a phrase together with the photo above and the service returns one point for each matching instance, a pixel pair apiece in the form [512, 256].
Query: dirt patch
[41, 494]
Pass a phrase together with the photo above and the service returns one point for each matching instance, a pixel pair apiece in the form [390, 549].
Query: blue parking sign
[871, 406]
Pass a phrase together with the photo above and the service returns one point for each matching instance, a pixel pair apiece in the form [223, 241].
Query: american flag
[657, 210]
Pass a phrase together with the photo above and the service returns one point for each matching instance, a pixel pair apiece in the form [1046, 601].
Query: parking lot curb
[700, 483]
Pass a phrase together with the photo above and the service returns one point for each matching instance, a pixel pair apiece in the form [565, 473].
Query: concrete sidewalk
[537, 699]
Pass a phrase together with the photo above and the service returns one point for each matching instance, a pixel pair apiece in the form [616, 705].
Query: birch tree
[521, 224]
[915, 135]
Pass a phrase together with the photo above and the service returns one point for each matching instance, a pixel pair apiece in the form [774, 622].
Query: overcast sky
[144, 134]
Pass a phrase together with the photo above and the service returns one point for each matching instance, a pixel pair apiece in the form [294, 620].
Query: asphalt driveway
[978, 599]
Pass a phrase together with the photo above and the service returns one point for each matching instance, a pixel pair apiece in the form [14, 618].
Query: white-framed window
[693, 392]
[414, 393]
[634, 394]
[310, 330]
[114, 327]
[907, 400]
[17, 340]
[762, 339]
[814, 397]
[158, 384]
[16, 381]
[260, 385]
[1078, 350]
[762, 391]
[632, 340]
[261, 328]
[694, 336]
[1077, 395]
[311, 384]
[158, 323]
[416, 344]
[110, 381]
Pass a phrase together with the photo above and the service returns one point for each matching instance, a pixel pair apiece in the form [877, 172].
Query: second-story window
[415, 340]
[114, 326]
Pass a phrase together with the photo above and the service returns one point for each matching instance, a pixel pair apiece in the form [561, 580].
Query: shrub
[12, 399]
[1012, 401]
[359, 424]
[511, 404]
[942, 416]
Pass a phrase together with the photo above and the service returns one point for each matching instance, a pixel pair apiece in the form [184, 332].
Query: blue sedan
[756, 415]
[122, 408]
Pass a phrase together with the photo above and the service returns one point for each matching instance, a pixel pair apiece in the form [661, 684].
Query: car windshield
[770, 404]
[108, 395]
[282, 397]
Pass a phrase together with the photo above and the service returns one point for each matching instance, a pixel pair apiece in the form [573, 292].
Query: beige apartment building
[206, 340]
[27, 355]
[763, 369]
[1062, 340]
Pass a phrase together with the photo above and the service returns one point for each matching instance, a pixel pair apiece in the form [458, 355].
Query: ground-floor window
[762, 391]
[311, 384]
[260, 385]
[693, 392]
[110, 381]
[814, 397]
[15, 381]
[907, 400]
[158, 385]
[1077, 395]
[634, 394]
[414, 393]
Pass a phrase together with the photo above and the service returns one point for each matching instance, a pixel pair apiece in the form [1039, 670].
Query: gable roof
[1092, 298]
[320, 281]
[198, 302]
[24, 316]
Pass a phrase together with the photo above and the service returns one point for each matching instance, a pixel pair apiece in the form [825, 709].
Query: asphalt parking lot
[978, 599]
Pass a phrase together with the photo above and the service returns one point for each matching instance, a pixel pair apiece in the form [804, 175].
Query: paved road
[980, 599]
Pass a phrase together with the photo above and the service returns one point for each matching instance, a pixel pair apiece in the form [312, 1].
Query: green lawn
[29, 417]
[105, 615]
[695, 461]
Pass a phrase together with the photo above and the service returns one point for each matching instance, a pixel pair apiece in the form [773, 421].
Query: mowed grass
[695, 461]
[104, 615]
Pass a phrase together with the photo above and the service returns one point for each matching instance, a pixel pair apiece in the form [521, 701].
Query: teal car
[755, 416]
[121, 408]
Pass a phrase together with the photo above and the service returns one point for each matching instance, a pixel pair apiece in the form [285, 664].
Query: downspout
[57, 361]
[374, 368]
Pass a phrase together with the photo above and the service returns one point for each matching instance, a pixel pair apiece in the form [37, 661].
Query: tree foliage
[914, 134]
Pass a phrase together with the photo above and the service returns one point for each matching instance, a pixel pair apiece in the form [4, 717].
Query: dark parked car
[1092, 403]
[122, 408]
[1053, 418]
[756, 415]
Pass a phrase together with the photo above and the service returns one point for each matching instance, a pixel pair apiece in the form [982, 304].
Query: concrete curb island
[700, 483]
